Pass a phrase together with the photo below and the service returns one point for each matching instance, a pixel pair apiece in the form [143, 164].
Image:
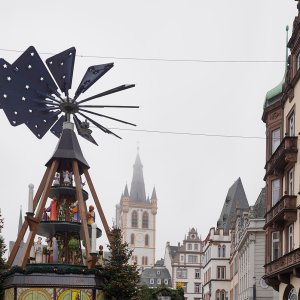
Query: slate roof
[137, 189]
[235, 200]
[259, 207]
[158, 275]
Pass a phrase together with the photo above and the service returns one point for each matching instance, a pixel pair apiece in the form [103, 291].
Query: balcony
[285, 210]
[284, 154]
[279, 270]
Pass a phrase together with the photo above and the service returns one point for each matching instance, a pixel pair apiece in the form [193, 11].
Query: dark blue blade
[61, 66]
[92, 74]
[86, 133]
[40, 126]
[58, 127]
[31, 67]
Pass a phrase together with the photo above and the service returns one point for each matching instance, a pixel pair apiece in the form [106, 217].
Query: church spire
[20, 220]
[137, 189]
[153, 197]
[126, 194]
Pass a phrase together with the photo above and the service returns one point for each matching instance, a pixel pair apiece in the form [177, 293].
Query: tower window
[146, 240]
[132, 239]
[134, 219]
[145, 221]
[275, 139]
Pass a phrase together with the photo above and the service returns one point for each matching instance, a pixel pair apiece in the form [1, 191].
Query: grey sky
[191, 173]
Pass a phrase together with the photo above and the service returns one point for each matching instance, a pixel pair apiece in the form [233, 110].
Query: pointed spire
[137, 190]
[153, 197]
[20, 220]
[126, 194]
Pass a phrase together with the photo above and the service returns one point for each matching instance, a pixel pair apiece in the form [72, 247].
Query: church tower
[136, 216]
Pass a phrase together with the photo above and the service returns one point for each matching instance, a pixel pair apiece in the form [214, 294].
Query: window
[134, 219]
[181, 258]
[221, 272]
[134, 259]
[197, 288]
[291, 238]
[189, 246]
[297, 62]
[197, 273]
[275, 191]
[220, 295]
[158, 272]
[158, 281]
[223, 250]
[151, 280]
[275, 139]
[291, 182]
[219, 251]
[146, 240]
[145, 220]
[185, 286]
[192, 259]
[291, 125]
[144, 260]
[166, 281]
[196, 247]
[181, 273]
[275, 245]
[132, 239]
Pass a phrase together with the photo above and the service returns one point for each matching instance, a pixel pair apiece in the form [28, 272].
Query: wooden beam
[98, 205]
[82, 209]
[39, 212]
[24, 227]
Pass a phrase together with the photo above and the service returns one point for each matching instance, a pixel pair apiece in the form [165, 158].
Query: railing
[284, 210]
[282, 155]
[283, 264]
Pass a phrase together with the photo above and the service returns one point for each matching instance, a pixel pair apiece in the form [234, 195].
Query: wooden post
[98, 205]
[82, 210]
[25, 223]
[39, 212]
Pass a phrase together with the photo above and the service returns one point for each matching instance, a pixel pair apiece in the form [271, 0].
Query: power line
[188, 133]
[157, 59]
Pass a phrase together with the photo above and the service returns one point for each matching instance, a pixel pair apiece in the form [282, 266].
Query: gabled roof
[235, 200]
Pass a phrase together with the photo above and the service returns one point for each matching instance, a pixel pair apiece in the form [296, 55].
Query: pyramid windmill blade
[31, 67]
[58, 127]
[84, 132]
[108, 92]
[104, 129]
[61, 66]
[40, 126]
[92, 74]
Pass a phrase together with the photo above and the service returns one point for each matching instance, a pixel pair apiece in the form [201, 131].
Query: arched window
[223, 295]
[144, 260]
[132, 239]
[134, 219]
[223, 251]
[145, 221]
[219, 251]
[146, 240]
[217, 294]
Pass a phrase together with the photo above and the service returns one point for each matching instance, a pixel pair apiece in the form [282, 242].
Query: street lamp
[254, 288]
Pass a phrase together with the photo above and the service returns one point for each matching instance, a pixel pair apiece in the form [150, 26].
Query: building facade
[136, 216]
[281, 115]
[248, 255]
[216, 276]
[185, 263]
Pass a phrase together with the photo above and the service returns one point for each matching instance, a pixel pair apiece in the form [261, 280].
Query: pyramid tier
[66, 191]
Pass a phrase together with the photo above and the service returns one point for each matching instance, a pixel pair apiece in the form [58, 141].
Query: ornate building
[281, 115]
[184, 263]
[248, 253]
[136, 216]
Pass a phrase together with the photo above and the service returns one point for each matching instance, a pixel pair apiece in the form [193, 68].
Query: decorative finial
[138, 146]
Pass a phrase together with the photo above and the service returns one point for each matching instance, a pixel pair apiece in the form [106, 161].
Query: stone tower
[136, 216]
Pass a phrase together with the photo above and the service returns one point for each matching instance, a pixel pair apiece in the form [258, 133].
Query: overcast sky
[191, 173]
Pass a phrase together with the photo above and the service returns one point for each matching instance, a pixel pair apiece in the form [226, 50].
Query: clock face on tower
[139, 237]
